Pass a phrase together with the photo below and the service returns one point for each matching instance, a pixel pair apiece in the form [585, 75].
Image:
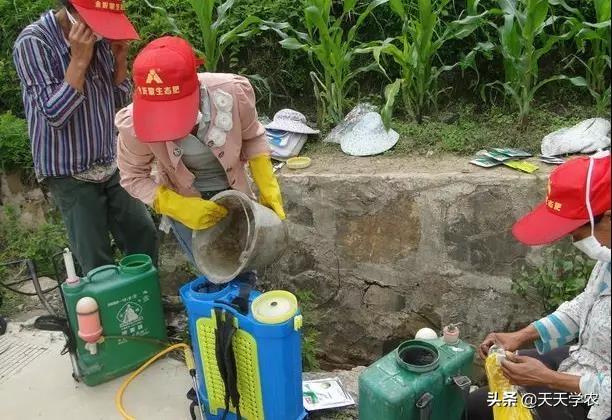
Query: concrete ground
[36, 382]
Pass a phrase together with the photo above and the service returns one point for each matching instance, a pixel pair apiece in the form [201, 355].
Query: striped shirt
[70, 132]
[586, 319]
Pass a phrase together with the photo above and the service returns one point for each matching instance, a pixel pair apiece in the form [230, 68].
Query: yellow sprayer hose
[119, 395]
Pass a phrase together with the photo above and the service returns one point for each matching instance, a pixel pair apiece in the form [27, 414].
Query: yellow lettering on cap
[98, 4]
[105, 5]
[111, 6]
[143, 91]
[557, 206]
[176, 90]
[159, 91]
[168, 90]
[151, 91]
[153, 77]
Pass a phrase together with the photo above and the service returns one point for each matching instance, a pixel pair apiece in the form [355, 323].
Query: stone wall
[391, 246]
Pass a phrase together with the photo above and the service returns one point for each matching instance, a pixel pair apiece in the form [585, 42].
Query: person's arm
[256, 151]
[122, 85]
[560, 327]
[135, 160]
[254, 142]
[82, 41]
[55, 98]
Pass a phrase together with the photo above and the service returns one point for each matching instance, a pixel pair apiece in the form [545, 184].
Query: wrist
[80, 63]
[528, 334]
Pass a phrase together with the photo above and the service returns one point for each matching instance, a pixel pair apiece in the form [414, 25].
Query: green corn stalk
[594, 39]
[523, 41]
[215, 35]
[424, 33]
[332, 51]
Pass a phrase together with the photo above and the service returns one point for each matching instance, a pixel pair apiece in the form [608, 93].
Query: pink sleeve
[135, 161]
[254, 140]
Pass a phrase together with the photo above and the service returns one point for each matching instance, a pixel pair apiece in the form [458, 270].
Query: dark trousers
[94, 211]
[478, 409]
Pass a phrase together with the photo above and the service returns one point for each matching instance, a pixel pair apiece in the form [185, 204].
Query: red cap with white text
[106, 18]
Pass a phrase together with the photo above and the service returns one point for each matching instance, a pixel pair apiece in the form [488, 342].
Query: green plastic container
[130, 308]
[419, 379]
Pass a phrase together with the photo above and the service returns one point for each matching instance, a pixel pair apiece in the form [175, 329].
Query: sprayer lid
[274, 307]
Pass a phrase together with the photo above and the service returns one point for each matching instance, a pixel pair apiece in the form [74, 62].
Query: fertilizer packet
[321, 394]
[498, 156]
[485, 162]
[515, 153]
[508, 402]
[522, 166]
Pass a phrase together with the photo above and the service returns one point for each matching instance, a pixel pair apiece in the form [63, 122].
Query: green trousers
[94, 211]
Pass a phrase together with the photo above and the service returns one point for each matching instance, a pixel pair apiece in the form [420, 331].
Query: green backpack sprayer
[422, 379]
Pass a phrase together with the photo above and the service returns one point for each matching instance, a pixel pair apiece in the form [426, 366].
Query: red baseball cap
[565, 208]
[166, 91]
[106, 17]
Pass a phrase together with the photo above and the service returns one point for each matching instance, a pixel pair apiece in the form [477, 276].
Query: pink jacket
[245, 140]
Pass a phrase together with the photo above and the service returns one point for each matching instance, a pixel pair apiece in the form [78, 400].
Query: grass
[310, 334]
[462, 130]
[19, 241]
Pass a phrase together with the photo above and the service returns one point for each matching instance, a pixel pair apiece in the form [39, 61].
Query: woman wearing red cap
[578, 205]
[72, 64]
[200, 129]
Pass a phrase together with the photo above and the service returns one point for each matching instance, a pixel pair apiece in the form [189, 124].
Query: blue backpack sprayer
[246, 345]
[247, 348]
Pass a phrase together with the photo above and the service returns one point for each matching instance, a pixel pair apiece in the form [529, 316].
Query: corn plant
[217, 38]
[524, 39]
[332, 50]
[594, 39]
[424, 33]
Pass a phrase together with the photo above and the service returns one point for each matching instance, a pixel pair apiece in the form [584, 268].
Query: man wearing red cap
[200, 129]
[73, 68]
[577, 205]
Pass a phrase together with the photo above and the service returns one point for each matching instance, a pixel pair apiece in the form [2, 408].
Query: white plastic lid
[274, 307]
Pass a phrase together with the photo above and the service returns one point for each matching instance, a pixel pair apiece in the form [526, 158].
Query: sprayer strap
[226, 360]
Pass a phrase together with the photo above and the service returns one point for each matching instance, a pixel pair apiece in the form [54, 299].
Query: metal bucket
[250, 237]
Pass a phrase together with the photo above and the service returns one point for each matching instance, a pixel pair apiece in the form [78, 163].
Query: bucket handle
[96, 271]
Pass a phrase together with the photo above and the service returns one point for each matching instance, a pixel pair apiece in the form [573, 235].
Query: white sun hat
[290, 120]
[368, 137]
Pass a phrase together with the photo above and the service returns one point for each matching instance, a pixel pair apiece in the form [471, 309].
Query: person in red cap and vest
[73, 68]
[563, 381]
[200, 130]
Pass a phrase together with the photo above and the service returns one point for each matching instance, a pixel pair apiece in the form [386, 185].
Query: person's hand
[509, 341]
[525, 371]
[193, 212]
[120, 50]
[82, 41]
[269, 191]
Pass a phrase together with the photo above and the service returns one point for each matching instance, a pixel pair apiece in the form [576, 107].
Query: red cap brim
[111, 25]
[156, 121]
[542, 227]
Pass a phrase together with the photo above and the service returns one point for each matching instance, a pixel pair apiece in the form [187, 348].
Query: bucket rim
[248, 205]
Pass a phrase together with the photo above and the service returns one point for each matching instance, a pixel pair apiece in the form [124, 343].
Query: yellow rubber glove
[269, 191]
[193, 212]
